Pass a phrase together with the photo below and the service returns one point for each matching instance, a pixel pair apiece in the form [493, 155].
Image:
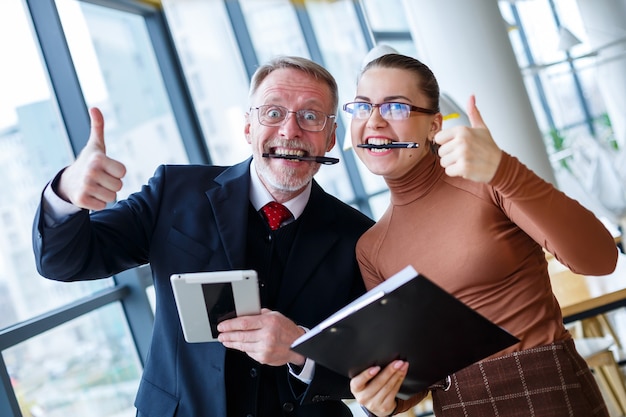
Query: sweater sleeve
[573, 234]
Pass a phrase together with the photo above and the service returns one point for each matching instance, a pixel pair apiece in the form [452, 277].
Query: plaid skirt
[552, 380]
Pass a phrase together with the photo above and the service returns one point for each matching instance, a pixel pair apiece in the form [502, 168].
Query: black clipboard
[406, 317]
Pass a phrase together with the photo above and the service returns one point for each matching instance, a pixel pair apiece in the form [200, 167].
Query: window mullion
[9, 406]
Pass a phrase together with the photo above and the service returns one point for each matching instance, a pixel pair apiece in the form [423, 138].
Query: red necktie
[275, 213]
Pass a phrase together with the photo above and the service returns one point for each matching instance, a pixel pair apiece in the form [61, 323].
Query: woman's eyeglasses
[311, 120]
[362, 110]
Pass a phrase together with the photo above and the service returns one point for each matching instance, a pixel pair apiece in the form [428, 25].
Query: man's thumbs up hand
[93, 179]
[96, 135]
[469, 151]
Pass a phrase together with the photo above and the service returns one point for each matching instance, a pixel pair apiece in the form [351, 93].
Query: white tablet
[204, 299]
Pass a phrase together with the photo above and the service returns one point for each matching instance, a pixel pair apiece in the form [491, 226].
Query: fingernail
[374, 370]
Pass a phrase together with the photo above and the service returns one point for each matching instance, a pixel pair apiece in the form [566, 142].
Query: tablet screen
[220, 303]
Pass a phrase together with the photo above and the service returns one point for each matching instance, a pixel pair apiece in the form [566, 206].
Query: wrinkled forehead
[292, 87]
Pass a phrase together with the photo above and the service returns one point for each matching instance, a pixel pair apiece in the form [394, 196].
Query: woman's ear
[435, 125]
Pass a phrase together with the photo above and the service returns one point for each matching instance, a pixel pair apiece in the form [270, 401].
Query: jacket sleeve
[98, 244]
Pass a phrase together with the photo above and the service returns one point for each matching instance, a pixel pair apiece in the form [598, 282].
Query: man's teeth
[291, 152]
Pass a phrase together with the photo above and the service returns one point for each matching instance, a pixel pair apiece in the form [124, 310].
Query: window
[571, 94]
[90, 365]
[215, 74]
[86, 367]
[34, 146]
[118, 73]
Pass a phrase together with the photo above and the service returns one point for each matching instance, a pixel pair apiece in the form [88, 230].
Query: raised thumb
[475, 118]
[96, 135]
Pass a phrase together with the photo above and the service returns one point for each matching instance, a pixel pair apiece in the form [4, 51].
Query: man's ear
[333, 138]
[246, 128]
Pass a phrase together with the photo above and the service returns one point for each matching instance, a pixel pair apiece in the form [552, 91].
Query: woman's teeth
[377, 141]
[374, 141]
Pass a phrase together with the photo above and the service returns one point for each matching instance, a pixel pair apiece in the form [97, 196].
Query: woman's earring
[433, 147]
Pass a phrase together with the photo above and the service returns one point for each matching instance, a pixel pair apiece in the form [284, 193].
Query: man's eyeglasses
[311, 120]
[362, 110]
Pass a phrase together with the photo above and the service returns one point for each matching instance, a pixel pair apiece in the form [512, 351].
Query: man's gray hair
[302, 64]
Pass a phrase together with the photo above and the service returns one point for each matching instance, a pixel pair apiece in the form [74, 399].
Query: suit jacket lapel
[315, 238]
[230, 199]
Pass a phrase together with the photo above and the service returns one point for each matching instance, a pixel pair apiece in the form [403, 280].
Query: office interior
[171, 78]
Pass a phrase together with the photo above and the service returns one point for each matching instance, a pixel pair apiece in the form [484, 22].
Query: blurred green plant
[557, 141]
[604, 121]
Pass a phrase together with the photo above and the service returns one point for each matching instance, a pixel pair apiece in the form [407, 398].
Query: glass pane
[405, 47]
[536, 103]
[562, 95]
[118, 73]
[588, 74]
[541, 31]
[379, 204]
[33, 148]
[274, 28]
[552, 77]
[515, 35]
[332, 21]
[86, 367]
[215, 74]
[373, 183]
[386, 15]
[569, 16]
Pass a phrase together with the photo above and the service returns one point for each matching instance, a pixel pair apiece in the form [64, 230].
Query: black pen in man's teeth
[326, 160]
[389, 145]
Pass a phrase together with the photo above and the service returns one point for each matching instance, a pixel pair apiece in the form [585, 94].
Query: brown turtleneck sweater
[483, 243]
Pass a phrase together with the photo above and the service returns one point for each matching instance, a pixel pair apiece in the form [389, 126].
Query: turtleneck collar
[417, 182]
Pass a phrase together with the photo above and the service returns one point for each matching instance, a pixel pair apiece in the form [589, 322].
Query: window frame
[75, 119]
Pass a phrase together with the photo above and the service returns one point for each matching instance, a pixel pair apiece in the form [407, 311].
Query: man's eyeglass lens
[311, 120]
[389, 111]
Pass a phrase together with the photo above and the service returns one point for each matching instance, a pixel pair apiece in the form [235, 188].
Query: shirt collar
[259, 196]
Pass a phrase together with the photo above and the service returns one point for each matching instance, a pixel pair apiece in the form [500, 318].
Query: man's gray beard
[292, 182]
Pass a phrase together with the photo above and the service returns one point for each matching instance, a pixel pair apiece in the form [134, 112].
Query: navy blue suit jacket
[194, 218]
